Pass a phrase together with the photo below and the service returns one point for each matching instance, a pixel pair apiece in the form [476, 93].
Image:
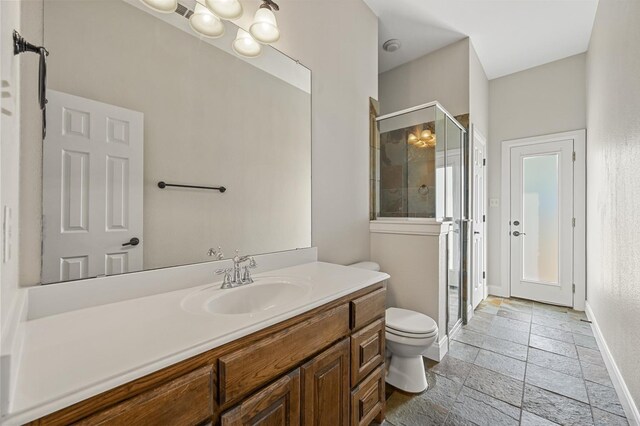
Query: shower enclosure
[419, 174]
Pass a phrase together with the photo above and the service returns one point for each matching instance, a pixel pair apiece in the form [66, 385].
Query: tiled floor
[516, 362]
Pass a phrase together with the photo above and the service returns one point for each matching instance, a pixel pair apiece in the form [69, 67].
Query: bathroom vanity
[318, 359]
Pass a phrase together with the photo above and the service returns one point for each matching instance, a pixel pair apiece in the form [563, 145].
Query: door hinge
[484, 161]
[574, 156]
[574, 288]
[484, 275]
[484, 218]
[573, 222]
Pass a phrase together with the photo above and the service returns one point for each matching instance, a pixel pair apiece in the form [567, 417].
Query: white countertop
[69, 357]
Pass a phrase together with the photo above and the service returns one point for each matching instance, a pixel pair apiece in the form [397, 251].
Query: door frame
[579, 209]
[475, 133]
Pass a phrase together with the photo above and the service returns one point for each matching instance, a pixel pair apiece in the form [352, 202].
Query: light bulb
[225, 9]
[162, 6]
[245, 45]
[206, 23]
[426, 134]
[264, 27]
[412, 139]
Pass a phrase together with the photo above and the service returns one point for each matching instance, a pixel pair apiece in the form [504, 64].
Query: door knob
[132, 242]
[517, 233]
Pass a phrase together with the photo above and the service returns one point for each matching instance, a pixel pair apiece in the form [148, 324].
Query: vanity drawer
[367, 350]
[247, 369]
[368, 308]
[187, 400]
[367, 400]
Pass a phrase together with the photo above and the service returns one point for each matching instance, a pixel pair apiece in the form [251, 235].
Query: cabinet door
[276, 405]
[325, 387]
[367, 400]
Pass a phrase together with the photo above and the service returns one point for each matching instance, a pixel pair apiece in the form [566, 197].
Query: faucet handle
[218, 254]
[226, 282]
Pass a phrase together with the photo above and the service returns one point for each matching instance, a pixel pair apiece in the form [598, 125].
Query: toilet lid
[408, 321]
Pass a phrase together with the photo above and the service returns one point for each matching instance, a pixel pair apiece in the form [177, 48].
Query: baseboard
[630, 408]
[438, 350]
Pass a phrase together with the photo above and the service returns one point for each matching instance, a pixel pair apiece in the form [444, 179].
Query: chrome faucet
[233, 277]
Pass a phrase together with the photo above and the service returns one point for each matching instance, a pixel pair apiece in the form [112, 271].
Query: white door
[478, 218]
[541, 222]
[92, 189]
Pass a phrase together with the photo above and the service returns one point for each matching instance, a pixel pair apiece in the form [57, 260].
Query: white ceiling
[508, 35]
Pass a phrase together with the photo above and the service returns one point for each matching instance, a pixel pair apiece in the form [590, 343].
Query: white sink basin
[266, 293]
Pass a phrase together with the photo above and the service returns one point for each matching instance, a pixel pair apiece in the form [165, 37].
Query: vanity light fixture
[162, 6]
[205, 23]
[245, 45]
[265, 27]
[225, 9]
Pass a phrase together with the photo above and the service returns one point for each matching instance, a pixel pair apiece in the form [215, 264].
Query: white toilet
[408, 334]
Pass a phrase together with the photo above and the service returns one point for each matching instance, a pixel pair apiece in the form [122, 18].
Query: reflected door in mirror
[92, 192]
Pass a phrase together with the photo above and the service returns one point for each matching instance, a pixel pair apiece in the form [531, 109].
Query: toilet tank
[370, 266]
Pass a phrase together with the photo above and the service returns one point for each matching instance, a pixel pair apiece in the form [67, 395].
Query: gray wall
[478, 93]
[613, 199]
[441, 76]
[542, 100]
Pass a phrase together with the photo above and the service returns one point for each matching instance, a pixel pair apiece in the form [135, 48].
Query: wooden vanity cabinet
[323, 367]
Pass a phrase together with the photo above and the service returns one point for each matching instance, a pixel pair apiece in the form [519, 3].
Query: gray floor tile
[456, 420]
[511, 323]
[521, 337]
[555, 362]
[505, 347]
[590, 355]
[479, 324]
[530, 419]
[496, 385]
[485, 315]
[404, 411]
[516, 308]
[552, 333]
[585, 341]
[557, 408]
[580, 327]
[484, 410]
[453, 368]
[462, 351]
[470, 337]
[550, 322]
[520, 316]
[563, 384]
[604, 418]
[605, 398]
[596, 373]
[488, 309]
[555, 346]
[501, 364]
[559, 316]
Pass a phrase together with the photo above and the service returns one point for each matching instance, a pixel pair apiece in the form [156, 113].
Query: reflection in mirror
[137, 98]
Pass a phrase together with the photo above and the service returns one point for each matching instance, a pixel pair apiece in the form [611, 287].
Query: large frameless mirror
[162, 144]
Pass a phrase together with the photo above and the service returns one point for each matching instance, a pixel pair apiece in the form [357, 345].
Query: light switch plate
[494, 202]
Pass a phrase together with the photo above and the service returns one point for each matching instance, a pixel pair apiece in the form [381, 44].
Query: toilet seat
[409, 323]
[411, 335]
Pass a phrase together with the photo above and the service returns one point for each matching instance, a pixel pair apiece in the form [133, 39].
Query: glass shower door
[454, 178]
